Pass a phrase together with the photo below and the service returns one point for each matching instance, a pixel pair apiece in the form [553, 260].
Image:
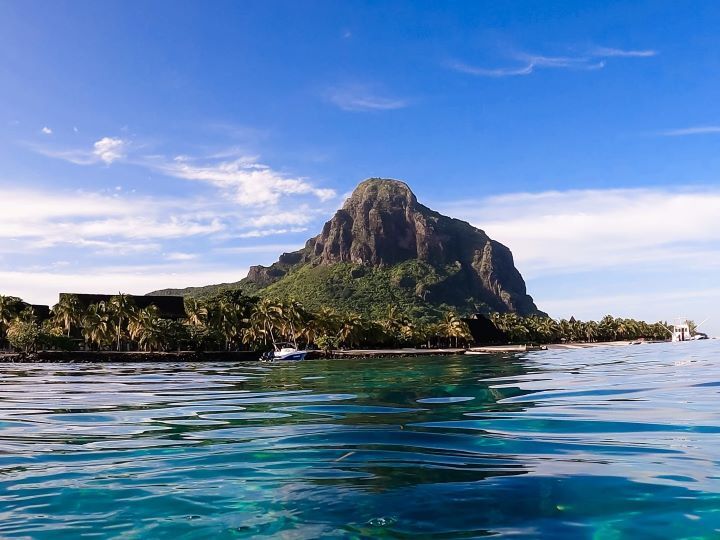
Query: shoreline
[129, 356]
[249, 356]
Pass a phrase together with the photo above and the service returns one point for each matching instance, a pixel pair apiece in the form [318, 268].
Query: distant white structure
[681, 332]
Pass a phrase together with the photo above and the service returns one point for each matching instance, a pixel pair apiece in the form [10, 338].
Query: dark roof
[42, 313]
[484, 331]
[171, 307]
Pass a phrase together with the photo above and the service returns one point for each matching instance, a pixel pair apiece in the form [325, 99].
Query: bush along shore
[232, 322]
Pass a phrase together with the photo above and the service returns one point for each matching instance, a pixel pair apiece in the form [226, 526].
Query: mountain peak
[382, 224]
[384, 244]
[377, 190]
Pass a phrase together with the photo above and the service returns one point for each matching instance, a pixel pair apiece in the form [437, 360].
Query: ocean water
[606, 443]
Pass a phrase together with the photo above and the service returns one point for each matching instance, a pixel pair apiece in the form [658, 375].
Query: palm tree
[295, 316]
[147, 328]
[67, 312]
[9, 308]
[96, 325]
[395, 324]
[120, 307]
[350, 328]
[452, 326]
[265, 320]
[228, 319]
[591, 331]
[196, 312]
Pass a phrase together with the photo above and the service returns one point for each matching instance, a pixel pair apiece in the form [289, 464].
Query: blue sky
[156, 144]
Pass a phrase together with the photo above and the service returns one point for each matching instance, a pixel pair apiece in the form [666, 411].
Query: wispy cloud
[94, 222]
[558, 232]
[180, 256]
[46, 131]
[697, 130]
[105, 150]
[462, 67]
[241, 178]
[247, 181]
[608, 52]
[262, 248]
[262, 233]
[42, 286]
[530, 63]
[363, 98]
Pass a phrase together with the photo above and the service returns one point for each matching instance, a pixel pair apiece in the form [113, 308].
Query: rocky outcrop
[382, 224]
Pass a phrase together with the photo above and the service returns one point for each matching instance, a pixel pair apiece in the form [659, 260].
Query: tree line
[233, 321]
[545, 330]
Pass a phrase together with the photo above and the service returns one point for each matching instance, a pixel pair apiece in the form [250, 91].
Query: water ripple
[620, 442]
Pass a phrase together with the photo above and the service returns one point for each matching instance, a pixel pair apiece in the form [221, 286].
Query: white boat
[681, 331]
[286, 351]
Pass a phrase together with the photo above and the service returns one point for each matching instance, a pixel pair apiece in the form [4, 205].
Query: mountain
[384, 248]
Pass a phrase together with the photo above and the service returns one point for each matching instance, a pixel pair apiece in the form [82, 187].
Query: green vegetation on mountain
[353, 288]
[383, 249]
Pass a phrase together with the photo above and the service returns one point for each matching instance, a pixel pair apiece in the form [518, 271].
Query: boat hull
[294, 356]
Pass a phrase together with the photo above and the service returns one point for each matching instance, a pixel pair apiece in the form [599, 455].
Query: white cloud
[529, 63]
[179, 256]
[644, 253]
[262, 248]
[109, 149]
[361, 98]
[556, 232]
[697, 130]
[42, 287]
[261, 233]
[608, 52]
[462, 67]
[37, 219]
[302, 215]
[105, 150]
[245, 179]
[46, 130]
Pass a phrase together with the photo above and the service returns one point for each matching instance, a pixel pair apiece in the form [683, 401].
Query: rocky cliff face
[382, 224]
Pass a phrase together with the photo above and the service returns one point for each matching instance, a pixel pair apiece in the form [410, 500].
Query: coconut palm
[227, 320]
[265, 320]
[10, 306]
[120, 308]
[146, 327]
[328, 321]
[96, 325]
[67, 312]
[196, 312]
[452, 327]
[294, 316]
[351, 327]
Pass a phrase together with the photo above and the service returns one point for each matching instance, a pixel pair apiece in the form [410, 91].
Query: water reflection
[600, 443]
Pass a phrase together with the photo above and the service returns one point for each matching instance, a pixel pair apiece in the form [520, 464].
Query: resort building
[171, 307]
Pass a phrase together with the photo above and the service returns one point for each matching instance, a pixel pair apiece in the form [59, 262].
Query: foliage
[414, 287]
[547, 330]
[328, 343]
[24, 335]
[67, 313]
[10, 308]
[232, 320]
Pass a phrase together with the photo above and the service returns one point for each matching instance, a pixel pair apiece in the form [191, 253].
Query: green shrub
[24, 335]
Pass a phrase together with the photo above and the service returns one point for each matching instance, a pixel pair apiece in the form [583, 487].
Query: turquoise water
[607, 443]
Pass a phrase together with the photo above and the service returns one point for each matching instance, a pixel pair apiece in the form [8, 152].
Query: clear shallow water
[607, 443]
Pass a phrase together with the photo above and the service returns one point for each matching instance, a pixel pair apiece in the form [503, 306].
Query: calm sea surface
[607, 443]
